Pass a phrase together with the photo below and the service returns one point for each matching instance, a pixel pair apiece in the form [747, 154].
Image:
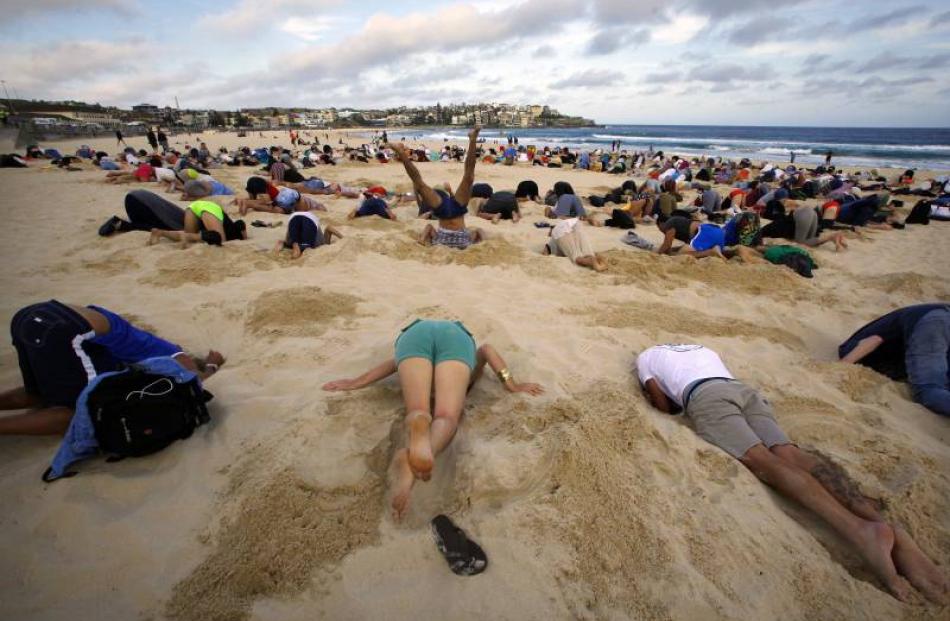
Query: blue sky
[744, 62]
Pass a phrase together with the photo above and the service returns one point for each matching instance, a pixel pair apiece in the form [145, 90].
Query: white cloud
[249, 16]
[18, 9]
[680, 30]
[308, 29]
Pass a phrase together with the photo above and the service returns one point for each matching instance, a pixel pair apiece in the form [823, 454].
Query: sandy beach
[590, 503]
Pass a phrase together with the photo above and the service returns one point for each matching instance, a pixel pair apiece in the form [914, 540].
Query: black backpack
[920, 214]
[138, 413]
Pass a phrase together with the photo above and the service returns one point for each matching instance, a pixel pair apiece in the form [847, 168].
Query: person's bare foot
[403, 481]
[600, 265]
[155, 237]
[717, 252]
[840, 242]
[495, 219]
[420, 448]
[875, 542]
[920, 571]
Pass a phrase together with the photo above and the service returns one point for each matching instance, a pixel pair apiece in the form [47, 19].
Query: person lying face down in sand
[450, 208]
[737, 419]
[374, 203]
[61, 347]
[568, 240]
[304, 232]
[437, 361]
[912, 344]
[204, 222]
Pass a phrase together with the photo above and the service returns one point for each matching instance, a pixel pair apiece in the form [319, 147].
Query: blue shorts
[108, 166]
[708, 237]
[314, 184]
[436, 341]
[57, 358]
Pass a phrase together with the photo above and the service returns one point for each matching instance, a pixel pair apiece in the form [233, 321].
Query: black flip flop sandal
[464, 556]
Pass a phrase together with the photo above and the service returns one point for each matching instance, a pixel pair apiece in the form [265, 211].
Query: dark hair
[255, 186]
[563, 187]
[212, 238]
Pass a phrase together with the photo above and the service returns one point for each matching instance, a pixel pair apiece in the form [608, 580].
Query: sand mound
[201, 264]
[681, 323]
[908, 284]
[650, 270]
[282, 533]
[372, 223]
[492, 252]
[301, 311]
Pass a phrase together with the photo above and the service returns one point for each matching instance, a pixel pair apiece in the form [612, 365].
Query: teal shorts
[436, 341]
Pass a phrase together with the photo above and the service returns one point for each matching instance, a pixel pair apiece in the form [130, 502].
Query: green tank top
[201, 207]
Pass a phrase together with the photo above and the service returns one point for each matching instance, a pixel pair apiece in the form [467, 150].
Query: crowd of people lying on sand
[66, 352]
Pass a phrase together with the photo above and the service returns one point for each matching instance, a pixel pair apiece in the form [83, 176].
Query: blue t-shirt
[129, 344]
[569, 206]
[218, 188]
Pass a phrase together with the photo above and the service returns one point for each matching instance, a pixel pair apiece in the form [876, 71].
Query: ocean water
[925, 148]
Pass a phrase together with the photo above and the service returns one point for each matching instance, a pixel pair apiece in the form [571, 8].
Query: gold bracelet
[504, 376]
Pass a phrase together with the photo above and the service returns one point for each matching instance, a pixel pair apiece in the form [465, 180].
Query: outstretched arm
[375, 374]
[487, 354]
[864, 347]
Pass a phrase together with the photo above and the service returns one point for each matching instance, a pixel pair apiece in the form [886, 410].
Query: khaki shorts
[574, 245]
[734, 417]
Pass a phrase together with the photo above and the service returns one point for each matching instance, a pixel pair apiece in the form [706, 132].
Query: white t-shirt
[674, 367]
[164, 174]
[563, 227]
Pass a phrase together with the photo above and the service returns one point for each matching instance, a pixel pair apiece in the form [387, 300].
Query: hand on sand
[532, 389]
[342, 384]
[215, 357]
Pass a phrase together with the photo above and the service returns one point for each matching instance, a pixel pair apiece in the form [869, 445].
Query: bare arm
[487, 354]
[667, 244]
[864, 347]
[380, 371]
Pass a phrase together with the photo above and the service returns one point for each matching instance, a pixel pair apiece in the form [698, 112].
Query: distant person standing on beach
[119, 139]
[793, 157]
[163, 140]
[152, 140]
[828, 158]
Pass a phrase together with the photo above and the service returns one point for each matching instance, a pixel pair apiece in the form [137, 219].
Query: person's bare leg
[463, 193]
[427, 194]
[191, 222]
[18, 399]
[427, 235]
[403, 480]
[278, 247]
[873, 540]
[910, 560]
[451, 384]
[415, 378]
[41, 422]
[712, 252]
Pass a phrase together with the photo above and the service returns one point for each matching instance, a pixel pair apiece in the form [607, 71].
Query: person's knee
[760, 461]
[934, 398]
[449, 415]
